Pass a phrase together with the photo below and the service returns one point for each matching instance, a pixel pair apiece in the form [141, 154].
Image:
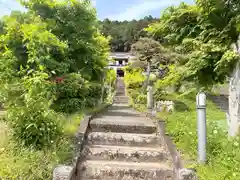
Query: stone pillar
[149, 97]
[234, 108]
[234, 97]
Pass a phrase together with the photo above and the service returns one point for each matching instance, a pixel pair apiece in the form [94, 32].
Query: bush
[133, 81]
[111, 77]
[71, 91]
[74, 94]
[34, 124]
[109, 85]
[142, 99]
[94, 94]
[133, 78]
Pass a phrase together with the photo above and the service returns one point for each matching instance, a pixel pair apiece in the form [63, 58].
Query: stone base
[62, 172]
[187, 174]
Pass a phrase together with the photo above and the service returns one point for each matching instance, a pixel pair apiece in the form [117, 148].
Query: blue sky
[112, 9]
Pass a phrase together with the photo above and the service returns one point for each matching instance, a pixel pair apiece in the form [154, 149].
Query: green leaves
[125, 33]
[202, 34]
[51, 57]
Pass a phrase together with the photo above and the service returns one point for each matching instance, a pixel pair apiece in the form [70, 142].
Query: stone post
[234, 97]
[234, 108]
[149, 97]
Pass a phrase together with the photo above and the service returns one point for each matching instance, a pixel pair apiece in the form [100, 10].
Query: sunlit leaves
[203, 34]
[53, 40]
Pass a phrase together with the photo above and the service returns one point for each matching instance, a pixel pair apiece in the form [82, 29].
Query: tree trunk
[103, 88]
[234, 99]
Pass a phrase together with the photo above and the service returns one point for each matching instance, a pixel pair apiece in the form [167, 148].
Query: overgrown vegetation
[21, 162]
[52, 62]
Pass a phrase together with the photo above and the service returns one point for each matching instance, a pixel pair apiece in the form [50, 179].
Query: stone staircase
[124, 145]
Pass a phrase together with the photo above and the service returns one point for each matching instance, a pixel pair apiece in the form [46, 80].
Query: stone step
[121, 100]
[114, 122]
[119, 106]
[120, 93]
[116, 170]
[122, 96]
[123, 139]
[123, 153]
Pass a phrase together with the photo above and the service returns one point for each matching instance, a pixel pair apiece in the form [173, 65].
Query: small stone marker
[187, 174]
[62, 172]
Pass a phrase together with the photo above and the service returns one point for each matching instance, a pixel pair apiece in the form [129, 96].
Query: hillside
[125, 33]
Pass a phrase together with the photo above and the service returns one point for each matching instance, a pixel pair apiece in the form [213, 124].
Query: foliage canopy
[195, 32]
[52, 58]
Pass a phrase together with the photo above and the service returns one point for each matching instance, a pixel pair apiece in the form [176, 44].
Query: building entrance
[120, 73]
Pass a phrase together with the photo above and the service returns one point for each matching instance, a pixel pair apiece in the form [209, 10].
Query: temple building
[119, 60]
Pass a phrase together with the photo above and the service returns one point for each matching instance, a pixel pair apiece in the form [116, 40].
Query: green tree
[151, 53]
[52, 53]
[189, 31]
[75, 22]
[125, 33]
[205, 34]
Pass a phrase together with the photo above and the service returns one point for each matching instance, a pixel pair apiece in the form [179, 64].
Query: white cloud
[94, 3]
[136, 11]
[6, 6]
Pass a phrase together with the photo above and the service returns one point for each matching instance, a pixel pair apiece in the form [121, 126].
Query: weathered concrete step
[120, 100]
[123, 139]
[116, 170]
[121, 124]
[123, 153]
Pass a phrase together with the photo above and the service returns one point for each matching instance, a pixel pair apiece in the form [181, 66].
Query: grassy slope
[17, 162]
[223, 155]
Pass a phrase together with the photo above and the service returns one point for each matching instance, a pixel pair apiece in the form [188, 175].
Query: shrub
[111, 77]
[94, 94]
[74, 94]
[34, 124]
[109, 85]
[142, 99]
[133, 78]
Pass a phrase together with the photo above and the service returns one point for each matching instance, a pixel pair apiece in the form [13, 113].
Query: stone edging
[180, 173]
[64, 172]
